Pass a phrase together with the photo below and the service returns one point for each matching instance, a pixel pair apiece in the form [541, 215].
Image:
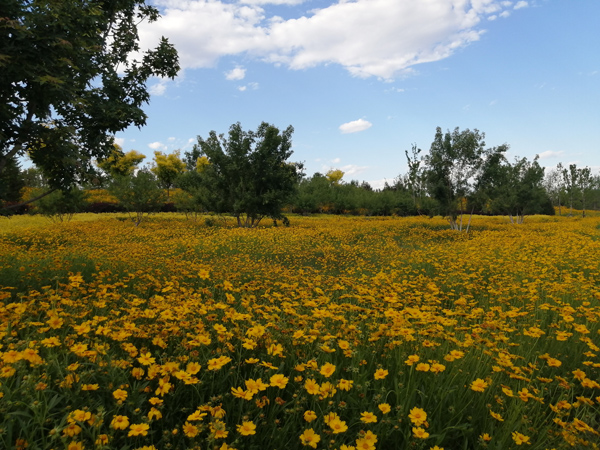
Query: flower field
[333, 333]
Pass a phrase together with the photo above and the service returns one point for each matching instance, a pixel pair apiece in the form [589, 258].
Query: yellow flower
[420, 433]
[279, 380]
[417, 416]
[138, 429]
[411, 360]
[193, 368]
[368, 417]
[437, 368]
[310, 438]
[312, 387]
[380, 374]
[190, 430]
[309, 416]
[246, 428]
[146, 359]
[422, 367]
[363, 444]
[479, 385]
[384, 408]
[496, 416]
[217, 363]
[327, 370]
[519, 438]
[337, 426]
[345, 385]
[119, 422]
[120, 395]
[154, 414]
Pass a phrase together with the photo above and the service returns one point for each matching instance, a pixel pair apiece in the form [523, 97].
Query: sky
[362, 81]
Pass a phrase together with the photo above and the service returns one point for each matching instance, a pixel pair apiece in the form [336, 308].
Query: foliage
[249, 174]
[334, 176]
[513, 189]
[167, 168]
[451, 167]
[138, 193]
[120, 164]
[11, 183]
[374, 333]
[61, 205]
[68, 81]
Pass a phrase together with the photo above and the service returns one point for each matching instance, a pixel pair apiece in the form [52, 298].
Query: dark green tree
[11, 183]
[248, 174]
[68, 82]
[453, 162]
[514, 189]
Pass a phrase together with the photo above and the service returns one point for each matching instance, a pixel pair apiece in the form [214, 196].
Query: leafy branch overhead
[68, 81]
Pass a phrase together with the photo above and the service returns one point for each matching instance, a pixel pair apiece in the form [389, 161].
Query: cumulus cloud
[157, 146]
[550, 154]
[382, 38]
[521, 4]
[355, 126]
[120, 141]
[235, 74]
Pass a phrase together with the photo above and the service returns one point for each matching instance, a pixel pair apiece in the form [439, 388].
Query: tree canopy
[248, 172]
[68, 80]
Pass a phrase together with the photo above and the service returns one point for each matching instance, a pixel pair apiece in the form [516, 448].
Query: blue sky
[362, 80]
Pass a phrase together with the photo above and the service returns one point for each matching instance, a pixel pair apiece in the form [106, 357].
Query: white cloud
[355, 126]
[235, 74]
[353, 169]
[120, 141]
[550, 154]
[157, 146]
[521, 4]
[336, 161]
[381, 38]
[159, 88]
[252, 86]
[272, 2]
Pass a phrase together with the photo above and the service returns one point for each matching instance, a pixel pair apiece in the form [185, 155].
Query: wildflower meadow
[333, 333]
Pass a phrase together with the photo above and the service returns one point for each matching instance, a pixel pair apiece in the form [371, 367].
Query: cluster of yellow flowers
[337, 333]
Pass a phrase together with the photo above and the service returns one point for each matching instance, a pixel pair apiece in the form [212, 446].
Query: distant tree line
[248, 174]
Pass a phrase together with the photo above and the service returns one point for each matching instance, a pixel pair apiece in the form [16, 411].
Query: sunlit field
[333, 333]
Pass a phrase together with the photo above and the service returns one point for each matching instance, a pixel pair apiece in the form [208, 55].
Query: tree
[335, 176]
[571, 184]
[68, 82]
[414, 176]
[554, 185]
[138, 193]
[586, 183]
[11, 183]
[249, 174]
[61, 205]
[167, 168]
[450, 169]
[119, 164]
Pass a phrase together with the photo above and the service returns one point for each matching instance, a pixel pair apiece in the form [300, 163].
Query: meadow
[334, 333]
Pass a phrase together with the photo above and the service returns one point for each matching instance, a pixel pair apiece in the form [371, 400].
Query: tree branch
[28, 201]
